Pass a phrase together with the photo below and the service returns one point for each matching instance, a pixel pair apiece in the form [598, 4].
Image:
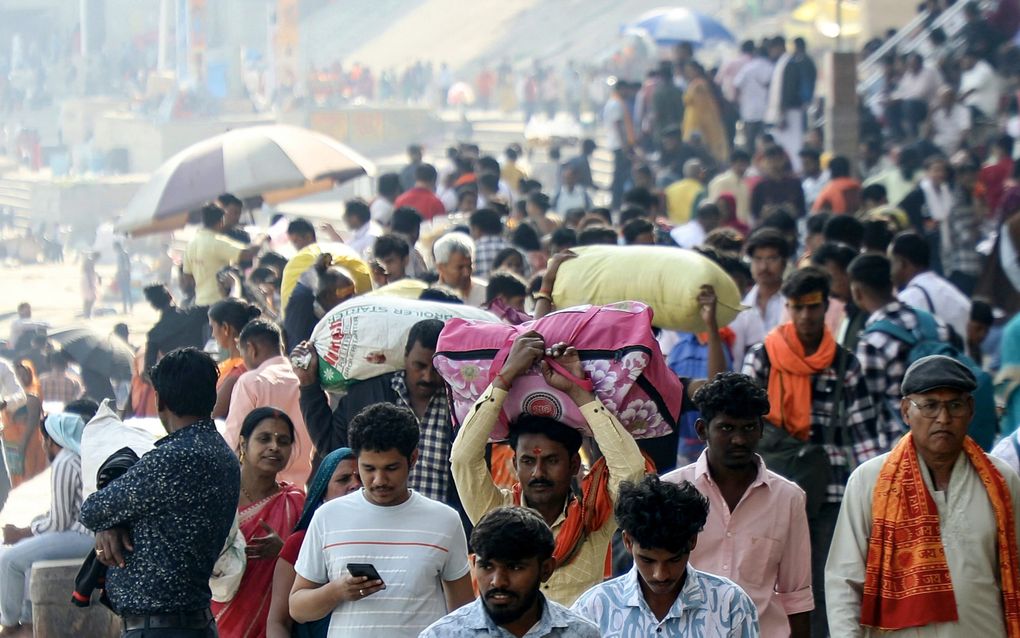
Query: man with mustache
[546, 460]
[757, 528]
[417, 387]
[926, 541]
[663, 594]
[513, 557]
[415, 545]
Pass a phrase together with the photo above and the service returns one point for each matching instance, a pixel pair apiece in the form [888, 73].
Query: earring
[241, 457]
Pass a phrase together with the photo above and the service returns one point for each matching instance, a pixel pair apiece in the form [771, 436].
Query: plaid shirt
[430, 476]
[884, 362]
[486, 250]
[854, 442]
[64, 388]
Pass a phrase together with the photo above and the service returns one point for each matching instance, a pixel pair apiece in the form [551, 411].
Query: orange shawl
[587, 515]
[907, 581]
[790, 379]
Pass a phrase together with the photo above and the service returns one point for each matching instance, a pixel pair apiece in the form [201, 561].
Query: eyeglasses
[931, 409]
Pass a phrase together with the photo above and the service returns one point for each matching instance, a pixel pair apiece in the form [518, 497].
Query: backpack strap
[927, 297]
[896, 331]
[829, 434]
[927, 327]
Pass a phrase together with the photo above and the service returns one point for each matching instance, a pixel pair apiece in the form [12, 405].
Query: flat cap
[937, 371]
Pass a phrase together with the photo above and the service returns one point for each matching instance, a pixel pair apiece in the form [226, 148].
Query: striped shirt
[65, 497]
[415, 547]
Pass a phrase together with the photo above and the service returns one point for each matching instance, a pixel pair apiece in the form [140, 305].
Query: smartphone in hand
[366, 570]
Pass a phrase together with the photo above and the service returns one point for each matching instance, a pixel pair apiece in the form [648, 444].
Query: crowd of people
[841, 464]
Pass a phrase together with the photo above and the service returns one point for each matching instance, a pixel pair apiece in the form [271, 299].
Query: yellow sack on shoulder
[406, 288]
[667, 279]
[343, 256]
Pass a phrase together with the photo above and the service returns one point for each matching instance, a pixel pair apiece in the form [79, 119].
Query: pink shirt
[272, 384]
[762, 545]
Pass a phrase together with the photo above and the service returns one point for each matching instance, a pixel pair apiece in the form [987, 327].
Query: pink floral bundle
[619, 353]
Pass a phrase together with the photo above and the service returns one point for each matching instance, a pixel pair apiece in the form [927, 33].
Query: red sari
[245, 615]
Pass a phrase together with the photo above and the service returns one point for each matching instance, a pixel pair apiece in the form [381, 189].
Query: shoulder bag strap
[829, 434]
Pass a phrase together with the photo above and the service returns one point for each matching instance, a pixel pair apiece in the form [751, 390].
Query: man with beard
[513, 557]
[546, 460]
[418, 387]
[663, 595]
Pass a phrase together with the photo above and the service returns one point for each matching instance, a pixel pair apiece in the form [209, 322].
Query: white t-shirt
[382, 211]
[414, 546]
[612, 114]
[949, 127]
[985, 84]
[752, 81]
[936, 295]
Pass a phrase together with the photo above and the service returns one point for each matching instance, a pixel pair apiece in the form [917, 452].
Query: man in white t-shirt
[979, 86]
[416, 545]
[923, 288]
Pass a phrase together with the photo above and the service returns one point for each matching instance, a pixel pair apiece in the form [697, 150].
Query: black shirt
[178, 502]
[176, 328]
[773, 192]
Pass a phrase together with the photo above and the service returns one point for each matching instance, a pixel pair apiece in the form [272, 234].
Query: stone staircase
[912, 37]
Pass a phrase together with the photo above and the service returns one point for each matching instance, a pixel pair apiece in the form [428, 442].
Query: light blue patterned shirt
[708, 607]
[471, 620]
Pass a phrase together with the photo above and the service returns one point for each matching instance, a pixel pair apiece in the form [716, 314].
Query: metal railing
[913, 37]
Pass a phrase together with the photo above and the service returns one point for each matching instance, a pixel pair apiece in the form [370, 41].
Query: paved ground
[54, 292]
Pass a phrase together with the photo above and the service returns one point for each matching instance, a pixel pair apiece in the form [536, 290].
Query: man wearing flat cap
[926, 541]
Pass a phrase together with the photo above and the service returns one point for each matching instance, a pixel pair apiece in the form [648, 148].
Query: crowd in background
[879, 334]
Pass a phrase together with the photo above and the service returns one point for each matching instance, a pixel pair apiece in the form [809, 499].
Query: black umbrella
[105, 355]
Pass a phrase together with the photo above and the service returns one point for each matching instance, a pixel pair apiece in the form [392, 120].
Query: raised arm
[327, 428]
[474, 483]
[623, 457]
[543, 301]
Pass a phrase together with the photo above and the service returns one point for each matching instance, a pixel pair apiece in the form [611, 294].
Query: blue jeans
[5, 477]
[16, 568]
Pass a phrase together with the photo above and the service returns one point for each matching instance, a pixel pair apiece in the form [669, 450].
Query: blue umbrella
[669, 26]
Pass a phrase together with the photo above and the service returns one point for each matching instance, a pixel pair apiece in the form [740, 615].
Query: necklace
[248, 495]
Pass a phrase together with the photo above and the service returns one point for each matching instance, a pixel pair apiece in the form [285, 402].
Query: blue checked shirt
[486, 249]
[431, 475]
[707, 606]
[472, 620]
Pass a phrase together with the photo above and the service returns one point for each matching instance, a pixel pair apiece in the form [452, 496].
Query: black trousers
[173, 632]
[821, 527]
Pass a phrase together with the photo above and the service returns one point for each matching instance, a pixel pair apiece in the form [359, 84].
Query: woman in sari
[702, 114]
[25, 455]
[227, 318]
[337, 476]
[267, 510]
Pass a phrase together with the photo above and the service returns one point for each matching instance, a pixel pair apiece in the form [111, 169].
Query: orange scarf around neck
[587, 515]
[790, 379]
[907, 582]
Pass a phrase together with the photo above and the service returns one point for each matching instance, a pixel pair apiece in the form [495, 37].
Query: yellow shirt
[205, 256]
[682, 198]
[479, 495]
[512, 175]
[728, 182]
